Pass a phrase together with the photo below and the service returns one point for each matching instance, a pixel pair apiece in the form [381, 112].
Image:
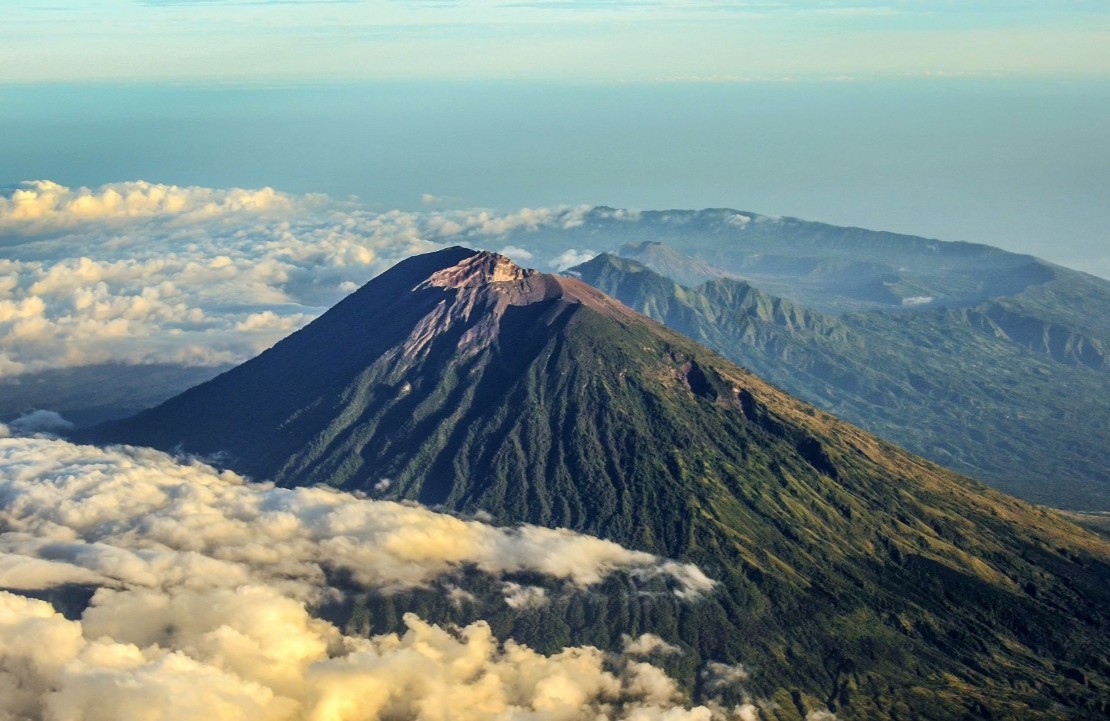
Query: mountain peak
[490, 283]
[480, 268]
[665, 260]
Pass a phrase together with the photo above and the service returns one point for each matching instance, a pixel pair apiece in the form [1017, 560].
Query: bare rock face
[480, 269]
[476, 292]
[481, 287]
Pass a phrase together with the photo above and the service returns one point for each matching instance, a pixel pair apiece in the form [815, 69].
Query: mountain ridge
[947, 383]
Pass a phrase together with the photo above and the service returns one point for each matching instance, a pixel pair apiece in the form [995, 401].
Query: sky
[980, 120]
[547, 40]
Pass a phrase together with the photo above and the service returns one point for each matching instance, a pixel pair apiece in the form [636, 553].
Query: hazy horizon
[980, 121]
[1021, 164]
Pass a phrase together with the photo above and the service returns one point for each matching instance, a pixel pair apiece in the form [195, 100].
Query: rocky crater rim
[517, 286]
[482, 268]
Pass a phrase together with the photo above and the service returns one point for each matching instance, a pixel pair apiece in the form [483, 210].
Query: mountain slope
[666, 261]
[987, 390]
[852, 574]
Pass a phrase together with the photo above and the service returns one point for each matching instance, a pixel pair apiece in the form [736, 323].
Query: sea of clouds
[200, 585]
[204, 585]
[138, 272]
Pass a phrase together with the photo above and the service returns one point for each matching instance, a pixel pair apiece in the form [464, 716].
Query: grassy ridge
[1031, 416]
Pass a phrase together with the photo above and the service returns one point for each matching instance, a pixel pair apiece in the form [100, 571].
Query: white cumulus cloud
[647, 644]
[139, 272]
[518, 596]
[573, 257]
[134, 517]
[42, 205]
[203, 588]
[249, 654]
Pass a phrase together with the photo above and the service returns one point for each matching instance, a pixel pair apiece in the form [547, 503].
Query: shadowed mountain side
[86, 395]
[853, 575]
[1027, 410]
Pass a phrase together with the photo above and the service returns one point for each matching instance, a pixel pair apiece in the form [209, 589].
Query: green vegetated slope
[1015, 391]
[852, 575]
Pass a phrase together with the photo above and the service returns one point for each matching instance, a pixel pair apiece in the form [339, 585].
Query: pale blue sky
[547, 40]
[979, 120]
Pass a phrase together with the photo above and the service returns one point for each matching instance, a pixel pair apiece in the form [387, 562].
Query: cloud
[138, 272]
[39, 421]
[284, 665]
[572, 257]
[648, 644]
[432, 200]
[632, 216]
[720, 675]
[28, 573]
[137, 518]
[269, 320]
[491, 224]
[519, 597]
[517, 254]
[202, 589]
[42, 205]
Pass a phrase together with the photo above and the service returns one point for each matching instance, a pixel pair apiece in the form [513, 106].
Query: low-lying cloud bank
[202, 588]
[251, 654]
[138, 272]
[135, 518]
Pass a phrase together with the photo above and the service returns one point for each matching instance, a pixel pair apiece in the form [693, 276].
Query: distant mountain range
[1014, 391]
[86, 395]
[828, 268]
[852, 575]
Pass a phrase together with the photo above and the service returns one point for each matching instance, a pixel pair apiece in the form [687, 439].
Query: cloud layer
[203, 584]
[135, 518]
[142, 273]
[45, 205]
[251, 654]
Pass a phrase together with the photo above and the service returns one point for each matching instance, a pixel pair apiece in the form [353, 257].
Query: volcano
[852, 575]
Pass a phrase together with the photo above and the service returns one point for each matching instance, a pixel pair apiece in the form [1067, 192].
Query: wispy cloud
[248, 2]
[286, 40]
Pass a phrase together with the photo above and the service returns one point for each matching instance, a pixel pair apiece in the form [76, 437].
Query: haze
[978, 121]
